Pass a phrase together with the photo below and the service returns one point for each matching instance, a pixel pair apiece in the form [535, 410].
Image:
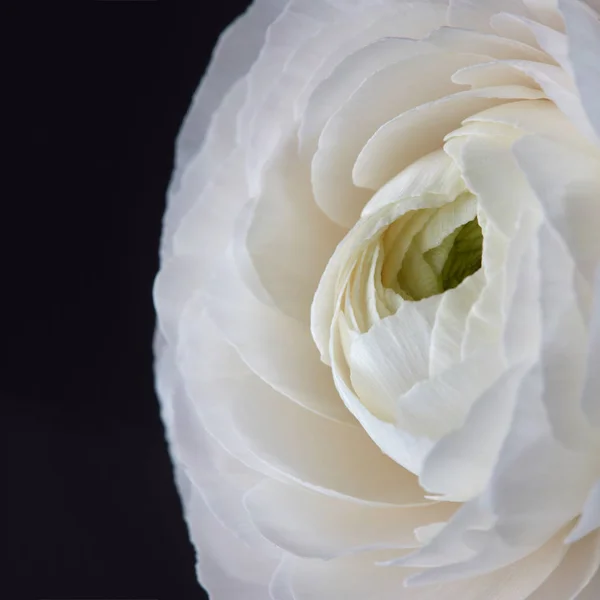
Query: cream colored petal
[401, 446]
[486, 44]
[492, 174]
[346, 78]
[353, 31]
[476, 14]
[284, 37]
[450, 323]
[574, 572]
[221, 479]
[591, 590]
[559, 87]
[529, 509]
[546, 12]
[340, 266]
[437, 405]
[392, 356]
[515, 581]
[309, 524]
[276, 347]
[198, 169]
[415, 133]
[227, 567]
[397, 242]
[567, 184]
[311, 451]
[564, 344]
[355, 578]
[227, 65]
[289, 240]
[178, 280]
[208, 365]
[583, 30]
[492, 73]
[210, 220]
[379, 98]
[374, 24]
[300, 38]
[538, 117]
[590, 401]
[429, 182]
[510, 26]
[460, 465]
[589, 519]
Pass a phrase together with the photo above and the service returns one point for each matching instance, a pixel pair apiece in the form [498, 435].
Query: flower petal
[573, 574]
[380, 98]
[590, 518]
[583, 30]
[476, 14]
[417, 132]
[313, 525]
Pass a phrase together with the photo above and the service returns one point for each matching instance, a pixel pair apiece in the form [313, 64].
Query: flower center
[428, 268]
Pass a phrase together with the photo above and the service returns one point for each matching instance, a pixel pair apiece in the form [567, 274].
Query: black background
[96, 95]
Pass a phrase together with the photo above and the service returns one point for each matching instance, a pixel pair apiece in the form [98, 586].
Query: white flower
[378, 352]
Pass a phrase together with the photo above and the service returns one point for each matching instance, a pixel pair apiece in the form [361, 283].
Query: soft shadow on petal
[309, 524]
[496, 72]
[590, 400]
[237, 48]
[590, 517]
[392, 356]
[289, 240]
[340, 73]
[226, 566]
[537, 117]
[567, 184]
[380, 98]
[407, 137]
[276, 436]
[485, 44]
[355, 578]
[202, 169]
[591, 590]
[450, 322]
[574, 573]
[583, 30]
[546, 12]
[276, 347]
[476, 14]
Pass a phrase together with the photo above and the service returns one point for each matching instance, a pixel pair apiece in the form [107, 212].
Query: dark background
[96, 96]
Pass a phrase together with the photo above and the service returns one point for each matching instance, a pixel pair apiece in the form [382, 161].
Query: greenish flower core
[444, 267]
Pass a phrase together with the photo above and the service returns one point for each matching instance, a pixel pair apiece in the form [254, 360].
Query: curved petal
[278, 348]
[583, 30]
[590, 402]
[313, 525]
[574, 573]
[476, 14]
[377, 100]
[417, 132]
[590, 518]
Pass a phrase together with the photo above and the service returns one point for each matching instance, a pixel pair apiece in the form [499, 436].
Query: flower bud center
[430, 269]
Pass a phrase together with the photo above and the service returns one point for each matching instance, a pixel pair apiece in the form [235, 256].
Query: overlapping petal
[343, 423]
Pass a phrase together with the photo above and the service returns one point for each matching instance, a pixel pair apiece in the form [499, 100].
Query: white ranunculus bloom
[378, 352]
